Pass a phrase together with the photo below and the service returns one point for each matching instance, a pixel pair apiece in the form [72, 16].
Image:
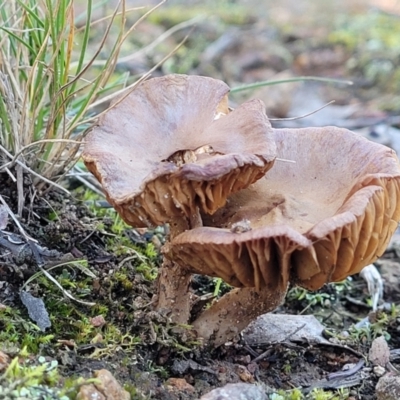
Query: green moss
[228, 13]
[36, 379]
[372, 42]
[374, 31]
[368, 333]
[316, 394]
[19, 332]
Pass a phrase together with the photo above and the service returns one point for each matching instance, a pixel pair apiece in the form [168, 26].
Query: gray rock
[379, 353]
[237, 391]
[388, 387]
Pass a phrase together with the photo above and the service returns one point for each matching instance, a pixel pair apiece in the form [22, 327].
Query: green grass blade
[288, 80]
[31, 13]
[85, 40]
[20, 40]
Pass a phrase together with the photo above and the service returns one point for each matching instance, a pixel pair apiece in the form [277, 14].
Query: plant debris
[36, 309]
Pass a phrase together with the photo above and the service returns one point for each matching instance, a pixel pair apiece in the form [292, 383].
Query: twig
[343, 347]
[131, 87]
[288, 80]
[347, 373]
[13, 216]
[302, 116]
[20, 189]
[13, 178]
[262, 355]
[102, 19]
[40, 264]
[250, 350]
[25, 167]
[18, 153]
[134, 257]
[89, 185]
[161, 38]
[145, 50]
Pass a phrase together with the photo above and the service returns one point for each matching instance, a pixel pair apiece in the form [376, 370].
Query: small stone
[388, 387]
[244, 374]
[179, 385]
[237, 391]
[107, 389]
[379, 371]
[98, 321]
[109, 386]
[379, 353]
[97, 339]
[89, 392]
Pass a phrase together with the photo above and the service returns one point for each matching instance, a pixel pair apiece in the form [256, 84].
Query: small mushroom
[171, 149]
[318, 219]
[172, 146]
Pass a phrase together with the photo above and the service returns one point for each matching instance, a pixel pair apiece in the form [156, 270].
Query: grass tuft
[55, 75]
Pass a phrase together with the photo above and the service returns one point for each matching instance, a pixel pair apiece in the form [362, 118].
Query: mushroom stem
[173, 291]
[174, 281]
[226, 318]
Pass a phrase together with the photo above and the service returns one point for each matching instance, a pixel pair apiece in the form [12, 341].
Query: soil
[120, 332]
[145, 351]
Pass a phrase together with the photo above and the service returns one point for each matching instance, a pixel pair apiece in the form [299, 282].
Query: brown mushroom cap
[172, 146]
[321, 218]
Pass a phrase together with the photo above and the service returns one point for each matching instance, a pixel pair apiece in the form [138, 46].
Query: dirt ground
[113, 267]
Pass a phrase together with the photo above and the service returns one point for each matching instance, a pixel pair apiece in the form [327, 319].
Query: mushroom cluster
[257, 206]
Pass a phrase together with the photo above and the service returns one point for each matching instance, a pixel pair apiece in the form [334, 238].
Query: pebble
[237, 391]
[379, 371]
[107, 389]
[179, 385]
[379, 353]
[388, 387]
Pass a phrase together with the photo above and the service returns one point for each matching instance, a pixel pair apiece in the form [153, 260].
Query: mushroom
[172, 149]
[319, 219]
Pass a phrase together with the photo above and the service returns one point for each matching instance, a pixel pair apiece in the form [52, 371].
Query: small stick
[25, 167]
[262, 355]
[13, 216]
[347, 373]
[302, 116]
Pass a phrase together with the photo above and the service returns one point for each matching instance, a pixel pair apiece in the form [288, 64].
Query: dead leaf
[36, 310]
[276, 328]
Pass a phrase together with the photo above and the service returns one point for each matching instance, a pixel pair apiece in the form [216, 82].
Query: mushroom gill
[320, 218]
